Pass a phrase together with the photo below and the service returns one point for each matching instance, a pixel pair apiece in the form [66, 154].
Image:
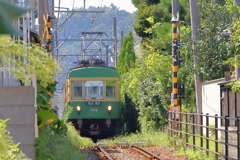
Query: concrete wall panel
[19, 115]
[11, 96]
[23, 134]
[17, 105]
[29, 151]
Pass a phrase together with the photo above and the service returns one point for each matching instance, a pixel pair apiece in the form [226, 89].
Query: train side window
[110, 89]
[76, 89]
[94, 89]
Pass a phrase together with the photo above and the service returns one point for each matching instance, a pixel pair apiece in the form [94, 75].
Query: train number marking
[94, 110]
[94, 103]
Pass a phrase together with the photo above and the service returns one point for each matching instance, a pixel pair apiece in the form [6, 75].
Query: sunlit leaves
[27, 62]
[8, 149]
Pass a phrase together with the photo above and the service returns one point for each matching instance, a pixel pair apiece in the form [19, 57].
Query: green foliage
[129, 116]
[58, 139]
[55, 146]
[27, 62]
[8, 149]
[151, 15]
[44, 95]
[45, 117]
[212, 47]
[234, 43]
[126, 58]
[147, 85]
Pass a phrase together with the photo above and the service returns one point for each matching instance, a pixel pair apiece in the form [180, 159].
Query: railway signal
[46, 35]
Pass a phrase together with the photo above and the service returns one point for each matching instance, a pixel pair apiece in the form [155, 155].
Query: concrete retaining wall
[17, 105]
[232, 139]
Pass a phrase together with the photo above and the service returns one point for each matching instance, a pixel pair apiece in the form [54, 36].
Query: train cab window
[94, 89]
[110, 89]
[76, 89]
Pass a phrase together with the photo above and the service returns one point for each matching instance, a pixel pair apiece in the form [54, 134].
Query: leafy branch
[25, 63]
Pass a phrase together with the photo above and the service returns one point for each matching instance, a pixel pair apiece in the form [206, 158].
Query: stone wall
[17, 105]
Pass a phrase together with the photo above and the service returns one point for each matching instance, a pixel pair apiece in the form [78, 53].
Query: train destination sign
[94, 103]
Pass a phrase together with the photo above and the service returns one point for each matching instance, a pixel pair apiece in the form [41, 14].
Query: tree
[233, 44]
[212, 46]
[126, 58]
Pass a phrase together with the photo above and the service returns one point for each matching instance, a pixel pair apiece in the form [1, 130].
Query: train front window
[76, 89]
[110, 89]
[94, 89]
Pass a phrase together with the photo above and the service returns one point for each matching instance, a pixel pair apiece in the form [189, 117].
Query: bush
[8, 149]
[55, 146]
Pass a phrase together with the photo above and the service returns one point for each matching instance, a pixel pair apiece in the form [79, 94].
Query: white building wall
[211, 99]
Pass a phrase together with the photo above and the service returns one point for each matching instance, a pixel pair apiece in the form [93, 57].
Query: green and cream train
[91, 96]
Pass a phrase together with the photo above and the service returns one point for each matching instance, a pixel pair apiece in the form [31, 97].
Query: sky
[122, 4]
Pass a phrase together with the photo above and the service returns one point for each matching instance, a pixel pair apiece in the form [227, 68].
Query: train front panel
[94, 109]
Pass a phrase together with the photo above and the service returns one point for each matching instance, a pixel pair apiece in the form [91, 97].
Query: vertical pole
[216, 135]
[195, 37]
[41, 11]
[193, 132]
[84, 5]
[207, 132]
[180, 125]
[115, 39]
[238, 136]
[106, 63]
[201, 129]
[226, 136]
[186, 128]
[175, 59]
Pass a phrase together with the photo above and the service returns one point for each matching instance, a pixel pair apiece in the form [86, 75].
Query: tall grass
[62, 146]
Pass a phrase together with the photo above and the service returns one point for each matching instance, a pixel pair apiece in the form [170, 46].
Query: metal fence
[217, 137]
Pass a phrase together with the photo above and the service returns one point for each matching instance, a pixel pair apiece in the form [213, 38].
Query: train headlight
[78, 108]
[109, 108]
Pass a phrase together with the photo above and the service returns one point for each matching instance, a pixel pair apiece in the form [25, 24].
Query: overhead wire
[93, 21]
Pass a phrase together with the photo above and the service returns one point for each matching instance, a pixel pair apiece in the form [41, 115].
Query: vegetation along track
[125, 151]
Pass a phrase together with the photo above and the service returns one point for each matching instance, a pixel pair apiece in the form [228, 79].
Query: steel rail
[146, 153]
[104, 152]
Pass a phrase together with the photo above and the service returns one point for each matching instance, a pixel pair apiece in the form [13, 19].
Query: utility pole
[195, 37]
[175, 106]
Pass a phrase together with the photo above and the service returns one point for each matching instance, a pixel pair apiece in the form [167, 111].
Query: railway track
[126, 151]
